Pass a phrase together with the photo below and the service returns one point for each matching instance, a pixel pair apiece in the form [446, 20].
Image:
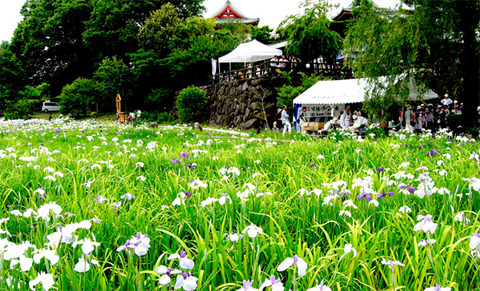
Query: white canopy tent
[347, 91]
[252, 51]
[328, 98]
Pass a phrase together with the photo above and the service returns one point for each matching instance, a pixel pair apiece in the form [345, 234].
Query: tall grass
[294, 221]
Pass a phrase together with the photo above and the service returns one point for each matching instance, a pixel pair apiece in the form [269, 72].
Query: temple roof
[346, 13]
[229, 13]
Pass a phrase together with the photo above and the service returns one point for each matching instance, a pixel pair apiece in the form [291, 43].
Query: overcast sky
[270, 12]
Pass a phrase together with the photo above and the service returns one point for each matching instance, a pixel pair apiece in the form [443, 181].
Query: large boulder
[236, 104]
[251, 123]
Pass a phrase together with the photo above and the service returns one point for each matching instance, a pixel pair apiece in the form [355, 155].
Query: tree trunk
[470, 61]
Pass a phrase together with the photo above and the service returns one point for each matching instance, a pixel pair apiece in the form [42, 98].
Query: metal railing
[272, 68]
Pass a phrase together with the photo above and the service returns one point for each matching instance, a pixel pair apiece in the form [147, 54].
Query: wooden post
[119, 108]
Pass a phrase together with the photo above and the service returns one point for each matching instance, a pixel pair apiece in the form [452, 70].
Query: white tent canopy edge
[348, 91]
[252, 51]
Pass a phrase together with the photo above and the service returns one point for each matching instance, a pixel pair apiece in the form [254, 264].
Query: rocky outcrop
[238, 104]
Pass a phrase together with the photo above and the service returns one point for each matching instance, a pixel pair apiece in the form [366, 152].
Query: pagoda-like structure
[339, 22]
[228, 13]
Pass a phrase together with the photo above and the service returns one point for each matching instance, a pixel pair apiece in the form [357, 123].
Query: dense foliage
[117, 44]
[79, 97]
[12, 76]
[308, 35]
[290, 90]
[433, 44]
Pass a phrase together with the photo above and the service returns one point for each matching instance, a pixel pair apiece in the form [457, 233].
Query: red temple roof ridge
[229, 13]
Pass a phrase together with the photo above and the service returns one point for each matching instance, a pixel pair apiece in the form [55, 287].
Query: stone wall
[238, 104]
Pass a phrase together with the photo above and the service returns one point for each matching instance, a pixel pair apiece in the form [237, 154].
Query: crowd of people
[132, 116]
[344, 121]
[282, 64]
[272, 67]
[413, 119]
[428, 116]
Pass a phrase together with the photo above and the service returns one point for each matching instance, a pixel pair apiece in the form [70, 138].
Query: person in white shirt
[302, 118]
[286, 121]
[358, 121]
[446, 101]
[410, 119]
[345, 119]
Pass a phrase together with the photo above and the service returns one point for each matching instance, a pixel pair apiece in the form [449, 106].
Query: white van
[50, 106]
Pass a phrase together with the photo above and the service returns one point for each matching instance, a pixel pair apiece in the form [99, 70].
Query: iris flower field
[99, 206]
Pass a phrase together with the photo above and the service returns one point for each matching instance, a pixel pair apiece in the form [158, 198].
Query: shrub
[19, 109]
[190, 104]
[159, 99]
[287, 92]
[163, 117]
[78, 98]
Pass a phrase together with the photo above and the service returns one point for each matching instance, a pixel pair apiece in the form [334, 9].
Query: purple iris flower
[247, 284]
[421, 147]
[405, 144]
[379, 169]
[190, 166]
[188, 194]
[175, 161]
[367, 196]
[274, 281]
[183, 254]
[433, 152]
[343, 192]
[410, 188]
[383, 194]
[313, 165]
[127, 196]
[184, 155]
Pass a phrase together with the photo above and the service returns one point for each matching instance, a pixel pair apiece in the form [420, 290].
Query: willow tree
[429, 42]
[309, 36]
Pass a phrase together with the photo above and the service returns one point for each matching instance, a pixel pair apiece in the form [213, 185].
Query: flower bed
[98, 206]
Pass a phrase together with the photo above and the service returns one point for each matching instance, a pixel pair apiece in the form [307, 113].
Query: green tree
[194, 61]
[114, 25]
[113, 77]
[159, 99]
[160, 29]
[240, 30]
[191, 104]
[79, 97]
[49, 43]
[288, 92]
[176, 52]
[262, 34]
[12, 75]
[19, 109]
[308, 35]
[432, 43]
